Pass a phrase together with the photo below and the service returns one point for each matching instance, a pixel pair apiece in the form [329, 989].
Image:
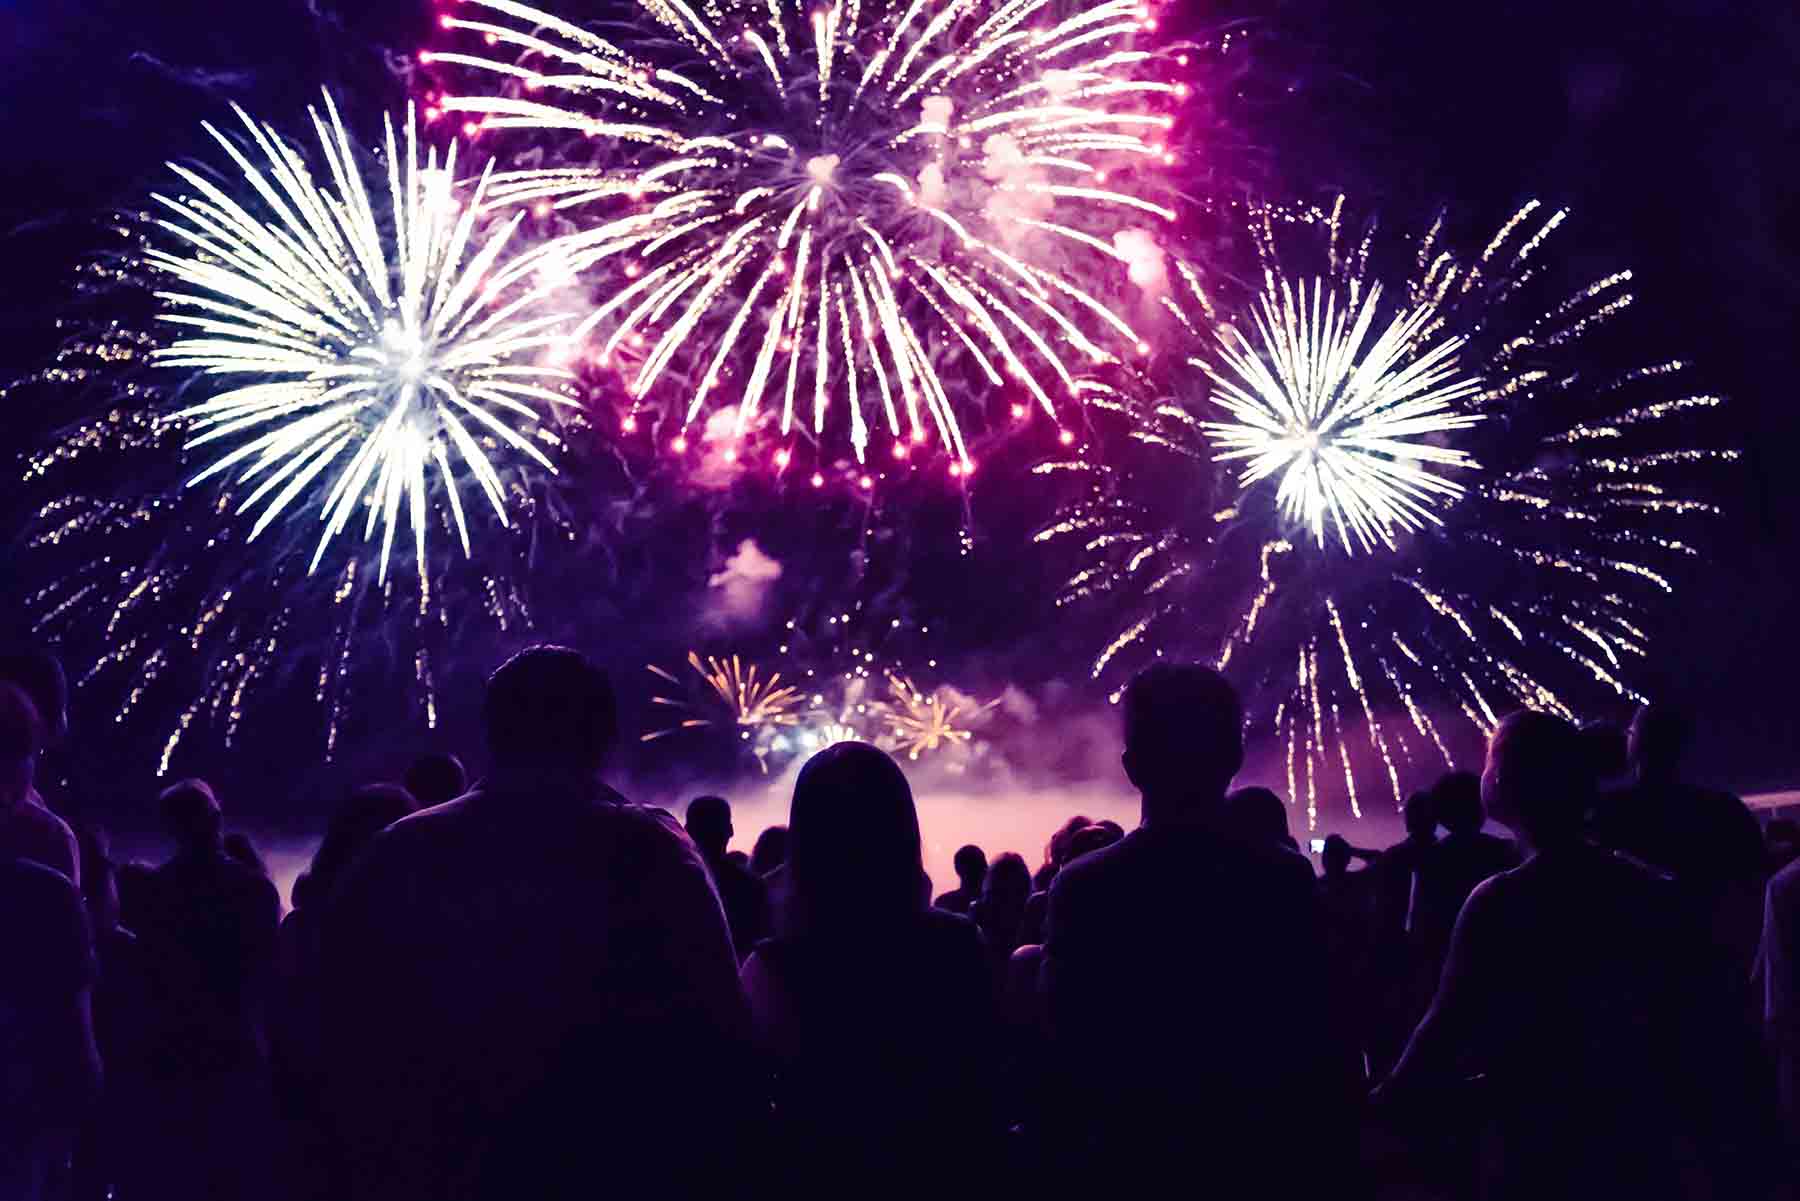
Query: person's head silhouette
[39, 675]
[1335, 857]
[853, 840]
[1658, 741]
[192, 815]
[1538, 781]
[21, 737]
[770, 851]
[971, 866]
[709, 825]
[435, 778]
[1257, 815]
[1609, 749]
[1456, 799]
[548, 709]
[1420, 816]
[1184, 739]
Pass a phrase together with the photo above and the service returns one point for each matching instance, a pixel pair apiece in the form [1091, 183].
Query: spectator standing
[529, 991]
[971, 867]
[742, 891]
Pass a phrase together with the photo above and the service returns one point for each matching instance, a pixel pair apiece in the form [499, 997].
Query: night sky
[1671, 127]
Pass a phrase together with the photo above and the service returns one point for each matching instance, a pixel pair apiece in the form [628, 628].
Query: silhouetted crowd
[529, 987]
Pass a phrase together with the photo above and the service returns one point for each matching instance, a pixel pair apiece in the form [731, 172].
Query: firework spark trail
[361, 351]
[889, 187]
[1504, 515]
[736, 695]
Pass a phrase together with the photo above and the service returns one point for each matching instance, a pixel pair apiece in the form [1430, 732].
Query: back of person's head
[1660, 736]
[1336, 855]
[1056, 851]
[1096, 837]
[770, 851]
[709, 823]
[21, 737]
[971, 865]
[548, 708]
[1008, 881]
[1456, 799]
[39, 675]
[853, 839]
[1184, 735]
[367, 812]
[435, 778]
[1420, 815]
[1538, 780]
[1257, 815]
[192, 814]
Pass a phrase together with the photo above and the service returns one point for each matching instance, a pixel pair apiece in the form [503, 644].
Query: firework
[272, 354]
[881, 209]
[1460, 514]
[350, 357]
[755, 705]
[913, 722]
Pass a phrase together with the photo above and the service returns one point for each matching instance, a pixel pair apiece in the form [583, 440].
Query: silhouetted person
[876, 1008]
[971, 867]
[208, 939]
[28, 830]
[770, 851]
[1707, 839]
[435, 778]
[529, 991]
[745, 896]
[1056, 851]
[1778, 1000]
[120, 998]
[238, 848]
[49, 1064]
[999, 911]
[1401, 977]
[1564, 985]
[1259, 816]
[1450, 870]
[1197, 950]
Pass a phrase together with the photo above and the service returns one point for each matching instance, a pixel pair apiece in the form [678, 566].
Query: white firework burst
[1347, 429]
[358, 349]
[817, 209]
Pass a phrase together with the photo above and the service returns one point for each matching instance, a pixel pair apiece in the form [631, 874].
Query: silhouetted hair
[1056, 851]
[1545, 774]
[770, 851]
[435, 778]
[39, 674]
[1420, 814]
[1008, 879]
[853, 840]
[709, 822]
[548, 706]
[21, 730]
[971, 865]
[1257, 815]
[191, 812]
[1456, 798]
[367, 812]
[1183, 723]
[1096, 837]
